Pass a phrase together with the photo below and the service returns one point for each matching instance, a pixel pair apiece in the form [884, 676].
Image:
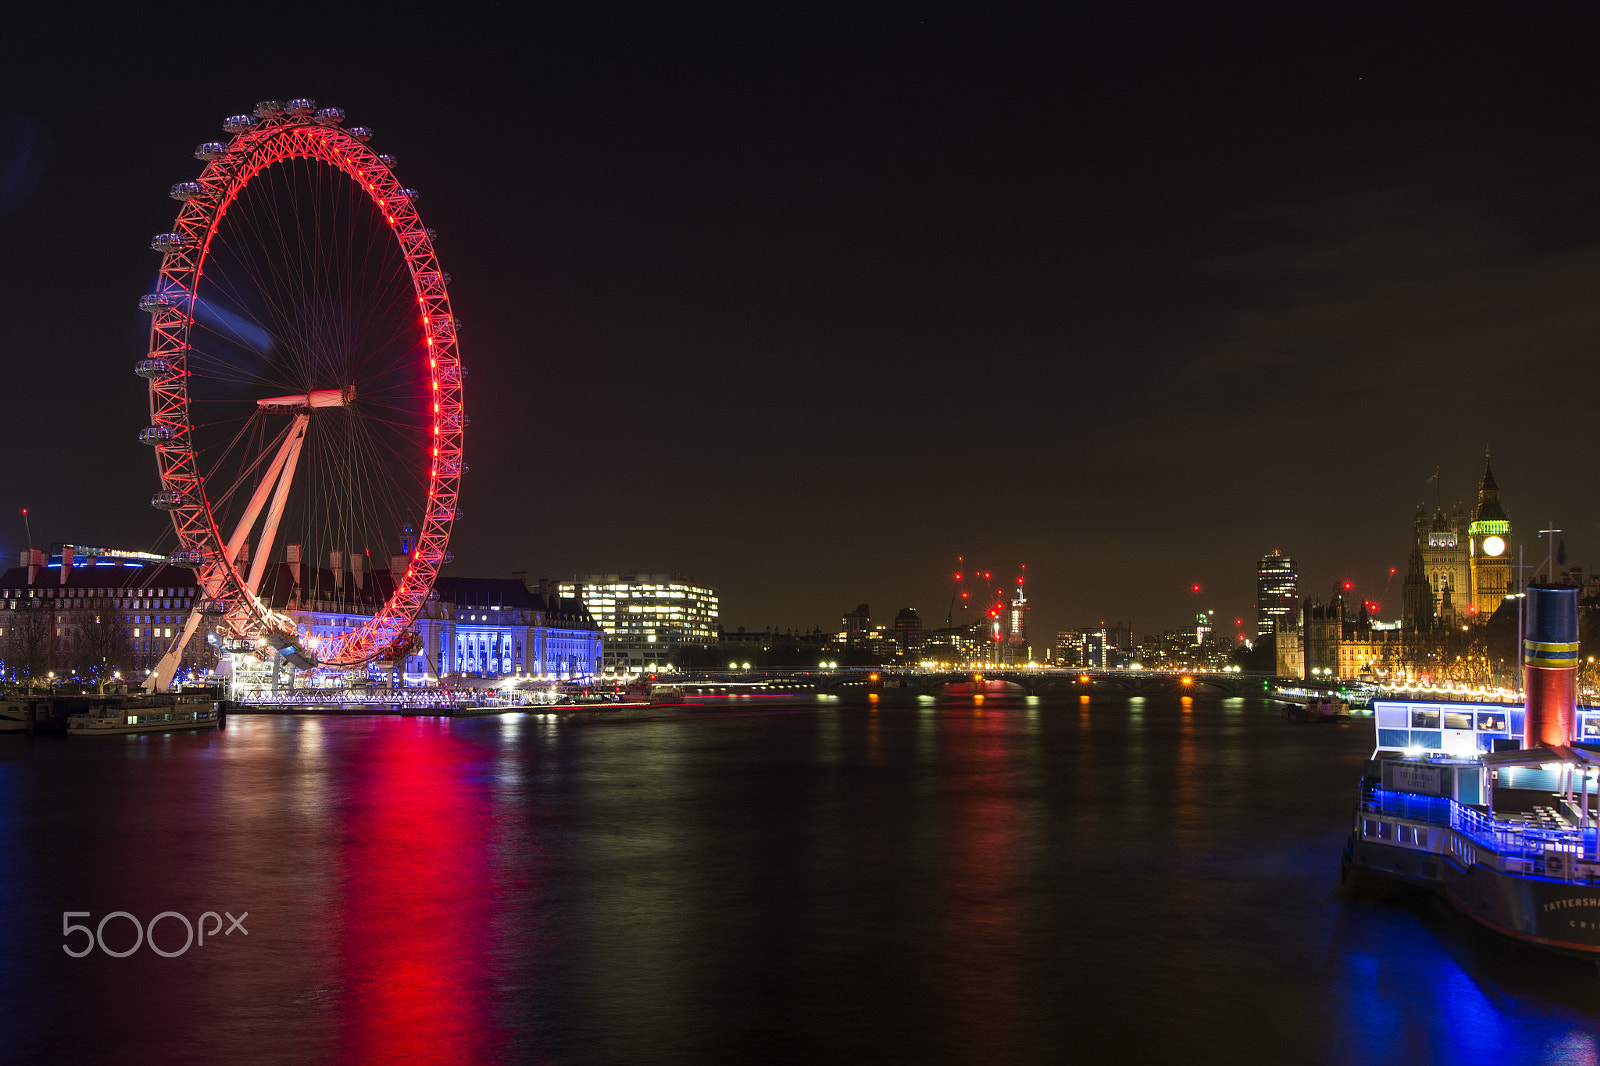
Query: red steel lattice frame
[275, 137]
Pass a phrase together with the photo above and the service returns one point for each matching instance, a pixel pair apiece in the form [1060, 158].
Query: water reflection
[907, 880]
[977, 909]
[417, 901]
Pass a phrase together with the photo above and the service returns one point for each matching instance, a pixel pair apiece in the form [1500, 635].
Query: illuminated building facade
[956, 645]
[1489, 547]
[93, 613]
[1442, 541]
[1323, 642]
[1016, 631]
[650, 608]
[1466, 562]
[120, 611]
[1277, 593]
[1099, 647]
[468, 628]
[1417, 607]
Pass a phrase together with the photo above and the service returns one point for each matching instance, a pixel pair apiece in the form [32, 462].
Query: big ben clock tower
[1489, 541]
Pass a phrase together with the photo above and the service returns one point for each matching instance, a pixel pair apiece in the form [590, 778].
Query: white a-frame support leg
[280, 473]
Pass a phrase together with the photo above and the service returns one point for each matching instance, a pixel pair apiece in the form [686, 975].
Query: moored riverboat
[154, 714]
[1305, 705]
[1495, 808]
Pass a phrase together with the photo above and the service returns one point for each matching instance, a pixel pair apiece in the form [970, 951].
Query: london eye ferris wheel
[304, 380]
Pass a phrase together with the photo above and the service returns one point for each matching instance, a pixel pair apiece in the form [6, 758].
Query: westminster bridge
[1034, 681]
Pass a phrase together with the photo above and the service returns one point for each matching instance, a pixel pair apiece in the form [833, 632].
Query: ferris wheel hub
[300, 401]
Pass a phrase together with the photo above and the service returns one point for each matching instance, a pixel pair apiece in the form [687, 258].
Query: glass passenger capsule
[157, 434]
[186, 190]
[150, 369]
[170, 500]
[166, 242]
[209, 151]
[238, 123]
[300, 107]
[388, 161]
[189, 559]
[361, 133]
[151, 302]
[329, 116]
[269, 109]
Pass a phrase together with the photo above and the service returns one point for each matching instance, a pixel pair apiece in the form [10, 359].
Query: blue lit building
[470, 627]
[98, 609]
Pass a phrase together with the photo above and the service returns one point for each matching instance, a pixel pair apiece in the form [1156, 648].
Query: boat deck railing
[1518, 846]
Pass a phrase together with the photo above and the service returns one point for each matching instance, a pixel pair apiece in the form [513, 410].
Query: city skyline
[806, 310]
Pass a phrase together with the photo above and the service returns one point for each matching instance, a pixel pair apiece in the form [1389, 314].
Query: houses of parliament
[1461, 567]
[1460, 572]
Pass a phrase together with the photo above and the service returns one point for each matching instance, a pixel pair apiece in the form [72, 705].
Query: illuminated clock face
[1493, 546]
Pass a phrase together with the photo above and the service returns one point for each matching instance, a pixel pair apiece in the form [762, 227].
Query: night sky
[805, 303]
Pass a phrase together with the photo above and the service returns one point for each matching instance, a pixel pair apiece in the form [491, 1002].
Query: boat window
[1458, 719]
[1393, 718]
[1420, 837]
[1492, 723]
[1421, 719]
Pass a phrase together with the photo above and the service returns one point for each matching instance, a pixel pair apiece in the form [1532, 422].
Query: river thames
[981, 878]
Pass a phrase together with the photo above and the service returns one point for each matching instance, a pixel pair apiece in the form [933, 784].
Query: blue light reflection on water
[1406, 995]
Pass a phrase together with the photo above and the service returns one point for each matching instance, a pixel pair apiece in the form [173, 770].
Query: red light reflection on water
[985, 928]
[416, 903]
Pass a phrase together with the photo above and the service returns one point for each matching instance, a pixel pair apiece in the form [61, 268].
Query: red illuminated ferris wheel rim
[277, 134]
